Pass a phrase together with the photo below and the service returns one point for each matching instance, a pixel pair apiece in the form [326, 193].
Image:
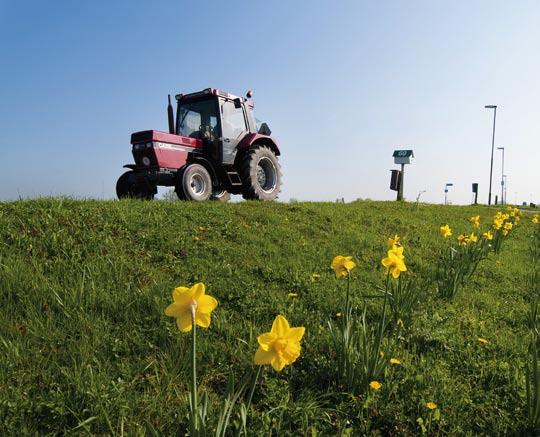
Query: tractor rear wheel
[261, 174]
[194, 183]
[220, 196]
[128, 187]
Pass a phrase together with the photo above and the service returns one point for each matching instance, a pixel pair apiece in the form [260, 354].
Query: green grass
[86, 347]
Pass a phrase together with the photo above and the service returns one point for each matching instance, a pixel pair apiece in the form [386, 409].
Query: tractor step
[234, 178]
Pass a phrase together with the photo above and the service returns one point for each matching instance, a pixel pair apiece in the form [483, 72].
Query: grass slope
[86, 347]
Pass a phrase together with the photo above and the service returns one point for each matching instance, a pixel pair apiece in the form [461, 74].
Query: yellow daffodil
[475, 220]
[487, 235]
[445, 231]
[338, 314]
[498, 223]
[536, 219]
[315, 277]
[395, 262]
[375, 385]
[508, 226]
[431, 405]
[482, 340]
[381, 354]
[281, 346]
[394, 241]
[472, 238]
[395, 361]
[343, 265]
[463, 240]
[188, 300]
[292, 295]
[514, 212]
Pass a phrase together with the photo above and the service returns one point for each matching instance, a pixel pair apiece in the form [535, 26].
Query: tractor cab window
[195, 117]
[233, 123]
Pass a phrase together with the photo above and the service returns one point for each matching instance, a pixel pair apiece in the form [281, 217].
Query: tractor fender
[250, 139]
[130, 166]
[206, 164]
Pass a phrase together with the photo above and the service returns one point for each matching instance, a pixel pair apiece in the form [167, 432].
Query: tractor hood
[154, 136]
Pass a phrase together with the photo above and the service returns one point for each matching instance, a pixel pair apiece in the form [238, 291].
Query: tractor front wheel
[194, 183]
[261, 174]
[128, 187]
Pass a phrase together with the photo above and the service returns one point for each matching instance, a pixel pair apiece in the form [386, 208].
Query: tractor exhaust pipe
[170, 116]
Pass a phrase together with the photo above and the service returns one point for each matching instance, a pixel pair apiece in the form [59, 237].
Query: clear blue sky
[341, 84]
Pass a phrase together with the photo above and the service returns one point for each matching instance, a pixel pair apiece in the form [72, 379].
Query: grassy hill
[87, 348]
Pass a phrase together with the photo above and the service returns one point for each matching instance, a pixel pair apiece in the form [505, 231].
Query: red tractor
[215, 148]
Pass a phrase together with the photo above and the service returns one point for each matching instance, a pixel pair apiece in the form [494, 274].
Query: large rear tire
[261, 174]
[194, 183]
[128, 187]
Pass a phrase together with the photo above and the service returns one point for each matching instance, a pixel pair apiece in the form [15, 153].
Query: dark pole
[494, 107]
[502, 176]
[402, 182]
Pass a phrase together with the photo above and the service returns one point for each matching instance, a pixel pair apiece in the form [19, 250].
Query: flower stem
[348, 291]
[254, 383]
[194, 409]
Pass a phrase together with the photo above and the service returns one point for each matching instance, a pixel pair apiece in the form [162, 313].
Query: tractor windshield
[195, 117]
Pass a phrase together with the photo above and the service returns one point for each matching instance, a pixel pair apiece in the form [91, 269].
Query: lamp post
[494, 107]
[502, 176]
[505, 177]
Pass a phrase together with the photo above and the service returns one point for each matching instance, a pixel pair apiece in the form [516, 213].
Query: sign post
[402, 157]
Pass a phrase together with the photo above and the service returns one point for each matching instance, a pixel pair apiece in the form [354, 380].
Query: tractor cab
[221, 120]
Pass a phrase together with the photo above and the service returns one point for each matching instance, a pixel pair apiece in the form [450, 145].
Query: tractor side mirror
[237, 103]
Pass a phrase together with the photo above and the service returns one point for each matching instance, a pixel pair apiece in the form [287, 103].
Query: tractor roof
[205, 92]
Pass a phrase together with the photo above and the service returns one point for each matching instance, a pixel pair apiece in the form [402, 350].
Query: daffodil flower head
[431, 405]
[395, 262]
[487, 235]
[191, 302]
[472, 238]
[343, 265]
[375, 385]
[475, 220]
[536, 219]
[394, 241]
[445, 231]
[395, 361]
[281, 346]
[498, 223]
[463, 240]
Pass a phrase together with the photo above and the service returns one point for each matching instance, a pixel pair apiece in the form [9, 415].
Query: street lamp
[505, 177]
[494, 107]
[502, 176]
[449, 184]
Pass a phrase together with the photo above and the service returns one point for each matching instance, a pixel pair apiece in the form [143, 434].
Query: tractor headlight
[142, 146]
[146, 161]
